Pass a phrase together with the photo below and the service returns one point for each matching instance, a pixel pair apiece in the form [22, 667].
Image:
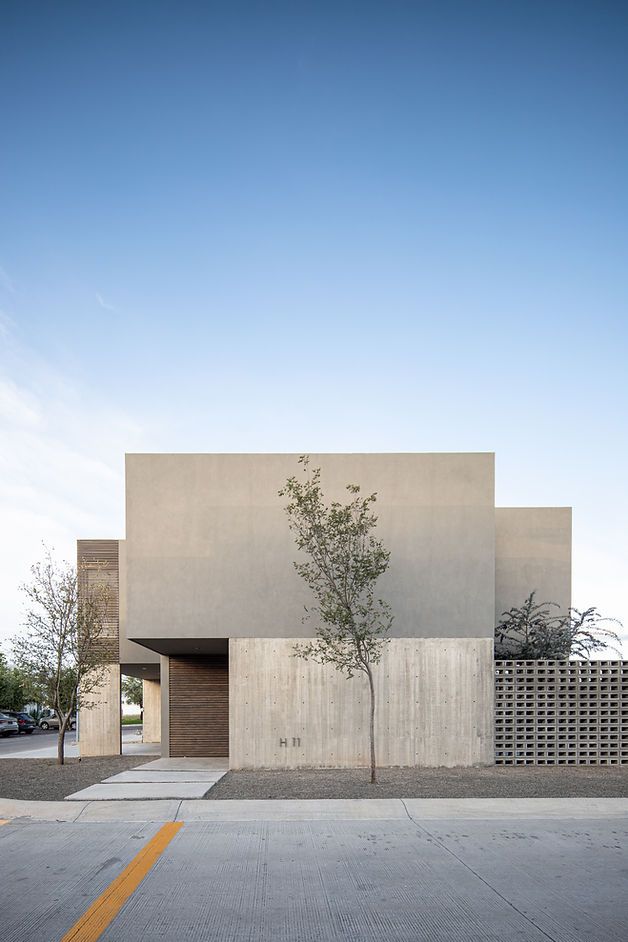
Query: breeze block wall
[561, 712]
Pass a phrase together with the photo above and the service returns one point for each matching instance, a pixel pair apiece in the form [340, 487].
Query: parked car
[25, 723]
[50, 720]
[8, 725]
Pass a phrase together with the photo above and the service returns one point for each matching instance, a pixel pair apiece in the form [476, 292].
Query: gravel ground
[497, 782]
[44, 780]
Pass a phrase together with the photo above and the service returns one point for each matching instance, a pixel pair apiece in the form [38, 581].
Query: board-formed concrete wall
[434, 706]
[99, 727]
[209, 553]
[151, 717]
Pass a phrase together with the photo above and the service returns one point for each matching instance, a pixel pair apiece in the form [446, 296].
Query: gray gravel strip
[497, 782]
[44, 780]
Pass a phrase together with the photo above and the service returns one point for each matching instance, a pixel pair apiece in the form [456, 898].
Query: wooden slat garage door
[199, 706]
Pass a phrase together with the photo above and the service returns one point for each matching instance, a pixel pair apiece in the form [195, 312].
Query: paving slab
[158, 810]
[41, 810]
[194, 775]
[416, 809]
[516, 807]
[185, 764]
[138, 791]
[292, 810]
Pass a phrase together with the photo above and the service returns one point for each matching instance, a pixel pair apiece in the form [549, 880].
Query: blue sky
[277, 227]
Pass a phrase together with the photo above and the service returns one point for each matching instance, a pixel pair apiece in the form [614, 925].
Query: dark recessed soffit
[174, 646]
[141, 671]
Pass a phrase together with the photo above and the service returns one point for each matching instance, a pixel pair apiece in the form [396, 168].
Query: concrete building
[209, 607]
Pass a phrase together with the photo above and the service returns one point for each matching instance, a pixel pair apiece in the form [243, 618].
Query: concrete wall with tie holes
[434, 706]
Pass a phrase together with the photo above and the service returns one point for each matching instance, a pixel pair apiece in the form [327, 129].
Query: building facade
[210, 607]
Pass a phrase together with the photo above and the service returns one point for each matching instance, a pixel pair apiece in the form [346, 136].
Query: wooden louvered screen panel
[97, 572]
[199, 706]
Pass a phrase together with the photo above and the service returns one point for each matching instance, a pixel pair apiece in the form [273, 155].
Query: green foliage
[12, 693]
[537, 631]
[131, 720]
[60, 648]
[133, 690]
[344, 561]
[588, 634]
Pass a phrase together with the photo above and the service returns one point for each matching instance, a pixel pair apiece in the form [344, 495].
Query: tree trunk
[372, 726]
[61, 741]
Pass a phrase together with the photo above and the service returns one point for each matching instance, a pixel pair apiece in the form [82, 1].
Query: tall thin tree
[64, 643]
[343, 561]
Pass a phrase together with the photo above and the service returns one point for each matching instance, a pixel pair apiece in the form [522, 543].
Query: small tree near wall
[538, 631]
[133, 691]
[343, 561]
[63, 646]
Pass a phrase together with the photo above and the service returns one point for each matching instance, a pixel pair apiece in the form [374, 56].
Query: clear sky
[385, 226]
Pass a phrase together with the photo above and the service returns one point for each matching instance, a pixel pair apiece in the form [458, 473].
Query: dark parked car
[25, 723]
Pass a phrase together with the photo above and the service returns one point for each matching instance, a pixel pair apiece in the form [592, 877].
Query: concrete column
[165, 706]
[152, 711]
[100, 725]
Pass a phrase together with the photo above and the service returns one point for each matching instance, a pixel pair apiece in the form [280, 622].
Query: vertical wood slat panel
[97, 564]
[199, 706]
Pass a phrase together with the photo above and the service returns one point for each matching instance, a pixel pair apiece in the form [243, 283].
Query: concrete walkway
[482, 809]
[161, 779]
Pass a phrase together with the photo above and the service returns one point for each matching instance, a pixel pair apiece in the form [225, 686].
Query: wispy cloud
[6, 323]
[61, 471]
[104, 305]
[6, 281]
[17, 406]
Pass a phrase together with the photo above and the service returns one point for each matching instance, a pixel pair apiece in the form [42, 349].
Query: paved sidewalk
[163, 778]
[318, 810]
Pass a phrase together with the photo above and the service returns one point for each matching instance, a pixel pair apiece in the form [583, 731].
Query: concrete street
[42, 744]
[31, 746]
[335, 871]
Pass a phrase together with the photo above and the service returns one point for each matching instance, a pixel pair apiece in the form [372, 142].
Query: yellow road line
[104, 909]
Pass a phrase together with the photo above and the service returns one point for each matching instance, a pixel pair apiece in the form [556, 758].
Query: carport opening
[140, 709]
